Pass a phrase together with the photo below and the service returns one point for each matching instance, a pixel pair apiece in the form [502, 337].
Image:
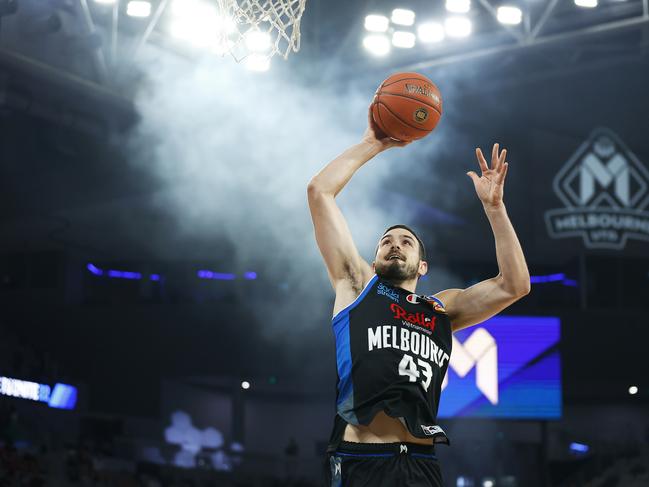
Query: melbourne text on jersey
[406, 340]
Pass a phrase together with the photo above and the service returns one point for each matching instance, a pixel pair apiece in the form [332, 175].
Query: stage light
[458, 6]
[586, 3]
[458, 27]
[578, 448]
[402, 16]
[403, 39]
[198, 23]
[226, 25]
[245, 385]
[431, 32]
[377, 23]
[464, 482]
[560, 276]
[377, 44]
[138, 8]
[633, 390]
[124, 274]
[219, 276]
[257, 41]
[488, 483]
[94, 269]
[257, 62]
[509, 15]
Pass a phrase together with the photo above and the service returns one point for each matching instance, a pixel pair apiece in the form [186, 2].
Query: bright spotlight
[198, 23]
[458, 27]
[257, 41]
[226, 25]
[377, 23]
[257, 62]
[377, 44]
[245, 385]
[633, 390]
[509, 15]
[487, 483]
[138, 8]
[458, 6]
[586, 3]
[200, 32]
[403, 39]
[431, 32]
[402, 16]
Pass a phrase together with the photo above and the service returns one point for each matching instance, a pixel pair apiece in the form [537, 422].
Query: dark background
[70, 194]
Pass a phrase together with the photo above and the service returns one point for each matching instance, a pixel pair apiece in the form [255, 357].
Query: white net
[256, 30]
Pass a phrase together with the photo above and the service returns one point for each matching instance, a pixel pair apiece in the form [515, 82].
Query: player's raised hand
[378, 139]
[489, 186]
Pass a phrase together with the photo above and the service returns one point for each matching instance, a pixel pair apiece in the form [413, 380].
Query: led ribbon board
[506, 367]
[62, 397]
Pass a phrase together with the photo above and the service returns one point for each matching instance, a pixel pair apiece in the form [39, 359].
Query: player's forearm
[511, 261]
[335, 175]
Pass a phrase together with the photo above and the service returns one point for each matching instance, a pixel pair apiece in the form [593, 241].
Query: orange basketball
[407, 106]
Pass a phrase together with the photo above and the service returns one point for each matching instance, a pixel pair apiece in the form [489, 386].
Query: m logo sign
[605, 190]
[479, 351]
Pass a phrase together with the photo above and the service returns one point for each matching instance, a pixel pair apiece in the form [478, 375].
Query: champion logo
[412, 298]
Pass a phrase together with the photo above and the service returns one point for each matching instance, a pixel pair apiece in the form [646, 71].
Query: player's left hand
[489, 186]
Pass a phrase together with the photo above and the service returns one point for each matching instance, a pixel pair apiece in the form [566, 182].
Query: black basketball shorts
[382, 465]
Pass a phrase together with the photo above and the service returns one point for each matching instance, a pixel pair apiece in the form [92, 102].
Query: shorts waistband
[385, 448]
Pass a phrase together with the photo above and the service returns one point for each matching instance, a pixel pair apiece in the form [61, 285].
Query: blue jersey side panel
[345, 402]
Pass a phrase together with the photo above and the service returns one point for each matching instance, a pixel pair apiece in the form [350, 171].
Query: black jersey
[392, 352]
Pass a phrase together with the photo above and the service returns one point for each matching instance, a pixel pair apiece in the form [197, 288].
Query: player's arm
[334, 239]
[467, 307]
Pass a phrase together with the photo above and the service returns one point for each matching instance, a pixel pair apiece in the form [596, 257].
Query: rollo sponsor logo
[415, 318]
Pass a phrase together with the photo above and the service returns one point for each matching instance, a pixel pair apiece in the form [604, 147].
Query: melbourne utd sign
[605, 191]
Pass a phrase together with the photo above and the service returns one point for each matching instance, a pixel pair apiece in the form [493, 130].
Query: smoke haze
[235, 151]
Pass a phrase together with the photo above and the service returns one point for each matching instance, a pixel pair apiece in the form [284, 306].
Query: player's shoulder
[442, 299]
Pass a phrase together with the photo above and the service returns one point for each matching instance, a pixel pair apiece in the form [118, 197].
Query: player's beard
[396, 271]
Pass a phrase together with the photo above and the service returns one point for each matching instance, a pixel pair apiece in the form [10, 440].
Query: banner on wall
[604, 188]
[506, 367]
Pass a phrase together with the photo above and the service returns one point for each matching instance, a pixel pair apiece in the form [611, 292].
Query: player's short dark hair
[422, 248]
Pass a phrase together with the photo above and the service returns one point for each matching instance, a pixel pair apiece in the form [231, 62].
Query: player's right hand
[375, 137]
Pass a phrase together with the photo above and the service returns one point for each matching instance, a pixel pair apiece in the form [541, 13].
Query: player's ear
[423, 267]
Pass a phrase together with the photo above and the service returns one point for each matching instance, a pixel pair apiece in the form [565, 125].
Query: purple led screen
[506, 367]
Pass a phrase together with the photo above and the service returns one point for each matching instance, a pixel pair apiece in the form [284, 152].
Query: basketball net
[275, 22]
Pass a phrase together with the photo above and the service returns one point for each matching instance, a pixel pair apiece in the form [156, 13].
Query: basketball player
[393, 345]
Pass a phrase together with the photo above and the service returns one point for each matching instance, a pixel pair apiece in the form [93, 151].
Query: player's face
[397, 258]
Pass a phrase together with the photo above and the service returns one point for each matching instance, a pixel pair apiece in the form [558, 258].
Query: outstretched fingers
[481, 160]
[502, 173]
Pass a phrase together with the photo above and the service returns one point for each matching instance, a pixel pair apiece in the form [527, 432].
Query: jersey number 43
[408, 368]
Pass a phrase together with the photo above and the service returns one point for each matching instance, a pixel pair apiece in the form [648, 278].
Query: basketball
[407, 106]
